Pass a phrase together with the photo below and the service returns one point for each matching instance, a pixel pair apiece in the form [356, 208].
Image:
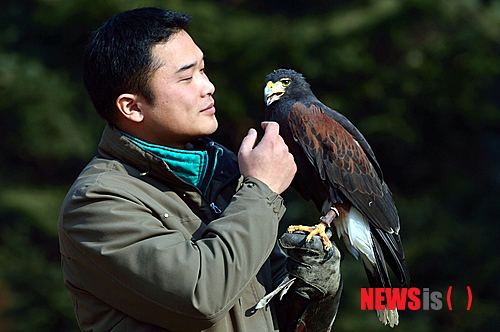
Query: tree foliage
[419, 78]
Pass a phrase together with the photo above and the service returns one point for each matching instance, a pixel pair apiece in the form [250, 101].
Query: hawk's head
[284, 84]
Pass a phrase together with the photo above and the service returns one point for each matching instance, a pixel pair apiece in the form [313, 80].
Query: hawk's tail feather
[392, 253]
[378, 276]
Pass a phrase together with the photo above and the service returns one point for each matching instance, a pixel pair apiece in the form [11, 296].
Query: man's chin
[208, 128]
[214, 127]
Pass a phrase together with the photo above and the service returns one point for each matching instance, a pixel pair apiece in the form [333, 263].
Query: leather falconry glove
[316, 291]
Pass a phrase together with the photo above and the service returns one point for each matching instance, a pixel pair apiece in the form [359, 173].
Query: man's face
[183, 106]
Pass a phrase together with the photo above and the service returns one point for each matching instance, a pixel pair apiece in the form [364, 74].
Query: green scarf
[189, 165]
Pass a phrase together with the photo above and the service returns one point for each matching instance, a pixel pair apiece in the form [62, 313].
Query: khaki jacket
[143, 250]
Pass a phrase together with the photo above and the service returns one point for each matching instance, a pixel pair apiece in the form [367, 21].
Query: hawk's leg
[318, 229]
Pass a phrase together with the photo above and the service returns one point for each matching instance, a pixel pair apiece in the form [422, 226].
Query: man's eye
[186, 79]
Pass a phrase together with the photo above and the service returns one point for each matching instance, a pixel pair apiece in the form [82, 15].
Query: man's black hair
[118, 58]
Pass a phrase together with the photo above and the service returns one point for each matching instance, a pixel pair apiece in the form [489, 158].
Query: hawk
[338, 171]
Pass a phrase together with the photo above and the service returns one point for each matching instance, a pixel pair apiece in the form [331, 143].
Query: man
[165, 230]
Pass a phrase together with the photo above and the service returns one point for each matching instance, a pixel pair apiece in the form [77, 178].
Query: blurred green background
[420, 78]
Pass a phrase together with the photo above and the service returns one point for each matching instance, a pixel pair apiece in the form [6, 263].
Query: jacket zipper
[215, 208]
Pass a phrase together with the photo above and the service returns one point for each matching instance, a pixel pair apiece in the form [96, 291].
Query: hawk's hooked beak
[273, 91]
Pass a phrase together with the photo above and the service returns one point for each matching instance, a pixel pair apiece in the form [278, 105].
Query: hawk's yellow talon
[319, 230]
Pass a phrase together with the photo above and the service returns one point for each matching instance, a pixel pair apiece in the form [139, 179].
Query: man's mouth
[209, 108]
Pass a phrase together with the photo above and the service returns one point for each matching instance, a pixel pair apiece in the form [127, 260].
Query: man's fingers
[271, 129]
[248, 141]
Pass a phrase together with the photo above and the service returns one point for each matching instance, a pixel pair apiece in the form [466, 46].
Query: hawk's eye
[286, 81]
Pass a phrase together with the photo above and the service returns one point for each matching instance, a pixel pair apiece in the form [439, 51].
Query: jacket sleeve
[115, 248]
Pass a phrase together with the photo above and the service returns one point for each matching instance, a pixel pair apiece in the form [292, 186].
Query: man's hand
[269, 161]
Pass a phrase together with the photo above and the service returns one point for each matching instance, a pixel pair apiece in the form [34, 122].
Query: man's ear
[128, 106]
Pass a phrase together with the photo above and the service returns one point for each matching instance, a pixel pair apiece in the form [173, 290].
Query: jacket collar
[115, 145]
[190, 165]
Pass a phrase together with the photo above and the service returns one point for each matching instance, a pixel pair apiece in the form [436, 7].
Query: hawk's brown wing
[343, 163]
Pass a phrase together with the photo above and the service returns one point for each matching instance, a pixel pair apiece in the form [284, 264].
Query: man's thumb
[248, 141]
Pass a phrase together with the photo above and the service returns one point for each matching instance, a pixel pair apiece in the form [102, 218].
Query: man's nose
[208, 87]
